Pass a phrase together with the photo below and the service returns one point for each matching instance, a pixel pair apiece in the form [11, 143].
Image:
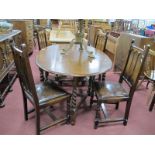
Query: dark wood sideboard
[7, 68]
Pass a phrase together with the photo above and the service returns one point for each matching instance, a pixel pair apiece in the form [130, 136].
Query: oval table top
[74, 62]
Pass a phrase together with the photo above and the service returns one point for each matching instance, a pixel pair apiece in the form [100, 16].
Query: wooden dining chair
[42, 43]
[108, 92]
[149, 73]
[42, 95]
[101, 40]
[41, 37]
[100, 44]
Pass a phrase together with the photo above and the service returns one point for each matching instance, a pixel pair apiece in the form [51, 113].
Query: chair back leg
[37, 117]
[152, 103]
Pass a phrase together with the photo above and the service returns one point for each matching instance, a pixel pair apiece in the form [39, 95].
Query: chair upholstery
[111, 91]
[48, 91]
[42, 95]
[114, 92]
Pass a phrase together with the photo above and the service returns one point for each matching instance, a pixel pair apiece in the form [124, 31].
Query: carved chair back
[42, 40]
[149, 71]
[134, 66]
[101, 40]
[25, 73]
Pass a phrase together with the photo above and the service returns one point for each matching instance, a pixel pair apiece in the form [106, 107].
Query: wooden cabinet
[26, 26]
[7, 69]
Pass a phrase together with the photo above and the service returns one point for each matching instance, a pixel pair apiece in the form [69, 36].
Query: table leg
[73, 104]
[73, 101]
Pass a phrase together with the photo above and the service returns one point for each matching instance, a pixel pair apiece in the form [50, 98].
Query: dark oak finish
[41, 37]
[112, 93]
[74, 63]
[43, 95]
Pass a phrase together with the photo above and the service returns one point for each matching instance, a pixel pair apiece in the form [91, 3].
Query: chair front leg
[92, 98]
[97, 115]
[68, 111]
[117, 106]
[152, 104]
[41, 74]
[45, 75]
[91, 91]
[127, 110]
[37, 115]
[25, 106]
[102, 77]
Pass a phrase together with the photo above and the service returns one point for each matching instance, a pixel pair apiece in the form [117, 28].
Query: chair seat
[110, 92]
[50, 92]
[150, 74]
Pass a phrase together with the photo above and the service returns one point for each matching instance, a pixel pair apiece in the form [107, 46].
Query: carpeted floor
[141, 121]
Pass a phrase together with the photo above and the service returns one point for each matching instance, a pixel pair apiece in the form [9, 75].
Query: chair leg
[57, 78]
[83, 82]
[90, 85]
[117, 106]
[152, 104]
[99, 78]
[102, 77]
[91, 99]
[41, 74]
[97, 116]
[34, 41]
[127, 110]
[45, 75]
[25, 107]
[37, 122]
[91, 90]
[68, 111]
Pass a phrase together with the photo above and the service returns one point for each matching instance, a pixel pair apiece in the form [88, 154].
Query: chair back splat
[134, 66]
[42, 38]
[100, 44]
[101, 40]
[25, 73]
